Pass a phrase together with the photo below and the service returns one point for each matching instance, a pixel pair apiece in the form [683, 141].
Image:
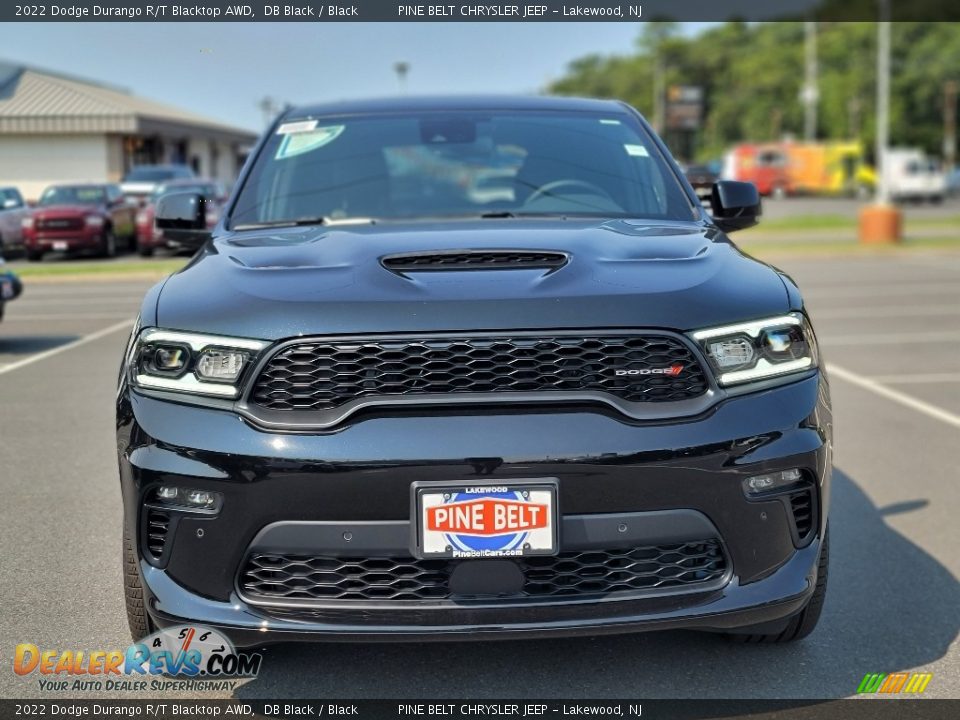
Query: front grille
[158, 526]
[322, 375]
[803, 508]
[476, 260]
[60, 224]
[279, 578]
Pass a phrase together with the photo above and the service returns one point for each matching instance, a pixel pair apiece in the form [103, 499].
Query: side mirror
[183, 218]
[736, 205]
[10, 204]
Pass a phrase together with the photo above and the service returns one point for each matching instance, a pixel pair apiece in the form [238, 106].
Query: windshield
[460, 164]
[149, 173]
[73, 195]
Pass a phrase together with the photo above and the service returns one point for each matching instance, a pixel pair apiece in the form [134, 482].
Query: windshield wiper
[318, 220]
[498, 214]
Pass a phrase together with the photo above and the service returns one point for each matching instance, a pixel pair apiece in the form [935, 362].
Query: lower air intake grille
[325, 374]
[158, 525]
[803, 508]
[278, 578]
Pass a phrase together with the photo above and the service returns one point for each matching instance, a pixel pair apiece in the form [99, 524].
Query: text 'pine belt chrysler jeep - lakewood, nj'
[467, 368]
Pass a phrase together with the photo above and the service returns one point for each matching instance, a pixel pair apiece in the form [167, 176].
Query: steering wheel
[550, 187]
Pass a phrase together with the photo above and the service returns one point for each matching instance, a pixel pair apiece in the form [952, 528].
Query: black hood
[330, 280]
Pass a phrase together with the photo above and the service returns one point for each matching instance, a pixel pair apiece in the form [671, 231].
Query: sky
[222, 70]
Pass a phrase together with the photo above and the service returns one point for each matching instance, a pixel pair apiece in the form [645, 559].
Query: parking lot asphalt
[890, 330]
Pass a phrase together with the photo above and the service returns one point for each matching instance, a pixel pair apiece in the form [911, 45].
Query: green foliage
[752, 75]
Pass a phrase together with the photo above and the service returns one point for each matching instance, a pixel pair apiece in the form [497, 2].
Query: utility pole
[269, 107]
[402, 68]
[659, 92]
[950, 125]
[811, 91]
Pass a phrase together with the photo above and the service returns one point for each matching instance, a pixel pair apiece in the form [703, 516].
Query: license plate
[486, 520]
[6, 289]
[60, 245]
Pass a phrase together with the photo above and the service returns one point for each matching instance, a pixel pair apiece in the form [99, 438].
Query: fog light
[166, 492]
[771, 481]
[188, 499]
[200, 498]
[731, 352]
[220, 365]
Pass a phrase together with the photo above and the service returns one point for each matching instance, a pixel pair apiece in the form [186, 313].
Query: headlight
[761, 349]
[94, 221]
[143, 218]
[191, 363]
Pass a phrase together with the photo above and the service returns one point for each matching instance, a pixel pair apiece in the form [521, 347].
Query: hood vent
[474, 260]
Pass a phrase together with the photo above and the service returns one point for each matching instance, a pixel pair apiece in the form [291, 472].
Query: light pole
[881, 222]
[883, 101]
[810, 93]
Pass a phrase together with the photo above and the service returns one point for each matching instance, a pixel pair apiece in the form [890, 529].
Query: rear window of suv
[461, 164]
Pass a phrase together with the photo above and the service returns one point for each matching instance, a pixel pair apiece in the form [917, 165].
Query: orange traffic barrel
[881, 224]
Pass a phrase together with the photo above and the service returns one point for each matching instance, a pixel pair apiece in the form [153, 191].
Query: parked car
[150, 238]
[374, 406]
[142, 180]
[702, 177]
[913, 176]
[10, 287]
[12, 212]
[80, 218]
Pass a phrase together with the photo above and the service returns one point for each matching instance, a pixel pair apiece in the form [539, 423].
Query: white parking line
[918, 379]
[63, 348]
[884, 311]
[931, 288]
[72, 316]
[891, 338]
[895, 395]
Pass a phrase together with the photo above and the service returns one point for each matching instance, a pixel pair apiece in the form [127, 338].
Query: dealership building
[56, 128]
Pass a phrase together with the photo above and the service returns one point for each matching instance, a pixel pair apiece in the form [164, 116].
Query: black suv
[457, 368]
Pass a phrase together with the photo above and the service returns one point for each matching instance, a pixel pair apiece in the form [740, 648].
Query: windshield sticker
[636, 150]
[306, 141]
[296, 127]
[605, 121]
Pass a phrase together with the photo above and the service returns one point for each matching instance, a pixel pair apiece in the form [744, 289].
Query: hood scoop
[453, 260]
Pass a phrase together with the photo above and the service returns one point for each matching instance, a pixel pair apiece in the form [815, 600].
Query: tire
[34, 255]
[804, 622]
[137, 618]
[144, 251]
[109, 248]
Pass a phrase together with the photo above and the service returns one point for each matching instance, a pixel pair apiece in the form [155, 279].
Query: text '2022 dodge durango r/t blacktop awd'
[465, 368]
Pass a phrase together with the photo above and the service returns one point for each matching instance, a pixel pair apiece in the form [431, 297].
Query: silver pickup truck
[12, 212]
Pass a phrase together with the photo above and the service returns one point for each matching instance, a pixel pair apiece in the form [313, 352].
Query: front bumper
[357, 477]
[70, 240]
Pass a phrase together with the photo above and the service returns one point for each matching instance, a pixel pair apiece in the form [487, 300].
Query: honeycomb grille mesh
[274, 577]
[323, 375]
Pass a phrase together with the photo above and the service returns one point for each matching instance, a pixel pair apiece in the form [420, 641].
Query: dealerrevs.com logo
[186, 657]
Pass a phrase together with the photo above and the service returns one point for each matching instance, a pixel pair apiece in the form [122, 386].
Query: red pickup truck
[77, 218]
